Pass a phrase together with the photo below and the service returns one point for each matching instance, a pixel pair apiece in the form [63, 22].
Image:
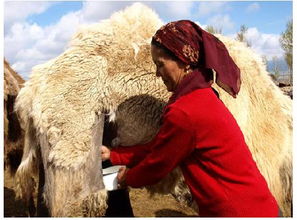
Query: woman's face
[171, 71]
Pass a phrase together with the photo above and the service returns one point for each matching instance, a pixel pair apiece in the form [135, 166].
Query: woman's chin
[169, 89]
[168, 86]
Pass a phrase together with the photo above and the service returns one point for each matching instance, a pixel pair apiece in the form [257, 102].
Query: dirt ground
[158, 206]
[142, 204]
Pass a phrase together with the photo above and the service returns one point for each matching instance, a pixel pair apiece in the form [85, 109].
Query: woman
[198, 133]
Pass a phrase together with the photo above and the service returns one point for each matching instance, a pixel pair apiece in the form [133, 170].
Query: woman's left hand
[105, 153]
[122, 174]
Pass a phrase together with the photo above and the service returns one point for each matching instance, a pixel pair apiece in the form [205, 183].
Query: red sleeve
[173, 143]
[129, 156]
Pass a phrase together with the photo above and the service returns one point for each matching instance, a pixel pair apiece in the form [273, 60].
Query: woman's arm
[174, 142]
[131, 155]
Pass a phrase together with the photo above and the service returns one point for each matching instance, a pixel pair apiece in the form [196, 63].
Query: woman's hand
[105, 153]
[122, 174]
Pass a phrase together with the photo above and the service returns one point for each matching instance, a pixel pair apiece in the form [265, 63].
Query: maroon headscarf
[201, 50]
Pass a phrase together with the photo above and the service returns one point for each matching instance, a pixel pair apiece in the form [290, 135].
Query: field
[143, 205]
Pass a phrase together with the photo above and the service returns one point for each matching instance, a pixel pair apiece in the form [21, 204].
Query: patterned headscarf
[198, 48]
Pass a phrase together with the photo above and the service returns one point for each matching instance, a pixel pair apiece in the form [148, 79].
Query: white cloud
[20, 48]
[221, 22]
[27, 45]
[179, 9]
[30, 44]
[15, 11]
[93, 11]
[20, 36]
[66, 27]
[206, 8]
[264, 44]
[172, 10]
[253, 7]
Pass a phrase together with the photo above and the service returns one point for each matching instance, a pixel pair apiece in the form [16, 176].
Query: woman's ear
[187, 69]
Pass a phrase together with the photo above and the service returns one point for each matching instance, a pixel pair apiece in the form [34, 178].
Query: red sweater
[201, 136]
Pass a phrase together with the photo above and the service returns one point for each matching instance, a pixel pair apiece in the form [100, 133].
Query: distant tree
[274, 78]
[211, 29]
[265, 61]
[286, 41]
[241, 35]
[275, 67]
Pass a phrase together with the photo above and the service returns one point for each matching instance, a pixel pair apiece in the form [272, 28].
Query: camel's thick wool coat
[13, 134]
[108, 68]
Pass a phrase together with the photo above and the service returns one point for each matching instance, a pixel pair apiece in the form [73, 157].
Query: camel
[107, 71]
[13, 134]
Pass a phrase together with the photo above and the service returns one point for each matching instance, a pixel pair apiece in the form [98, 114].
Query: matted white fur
[108, 68]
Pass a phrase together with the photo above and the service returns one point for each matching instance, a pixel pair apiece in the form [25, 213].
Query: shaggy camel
[107, 69]
[13, 134]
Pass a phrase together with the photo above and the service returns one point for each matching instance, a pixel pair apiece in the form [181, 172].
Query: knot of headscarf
[196, 47]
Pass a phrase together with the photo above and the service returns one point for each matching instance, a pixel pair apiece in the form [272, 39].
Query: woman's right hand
[105, 153]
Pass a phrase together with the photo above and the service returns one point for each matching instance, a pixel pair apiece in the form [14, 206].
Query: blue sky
[55, 12]
[269, 17]
[40, 30]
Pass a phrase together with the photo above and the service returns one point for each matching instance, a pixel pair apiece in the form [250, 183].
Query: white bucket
[110, 177]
